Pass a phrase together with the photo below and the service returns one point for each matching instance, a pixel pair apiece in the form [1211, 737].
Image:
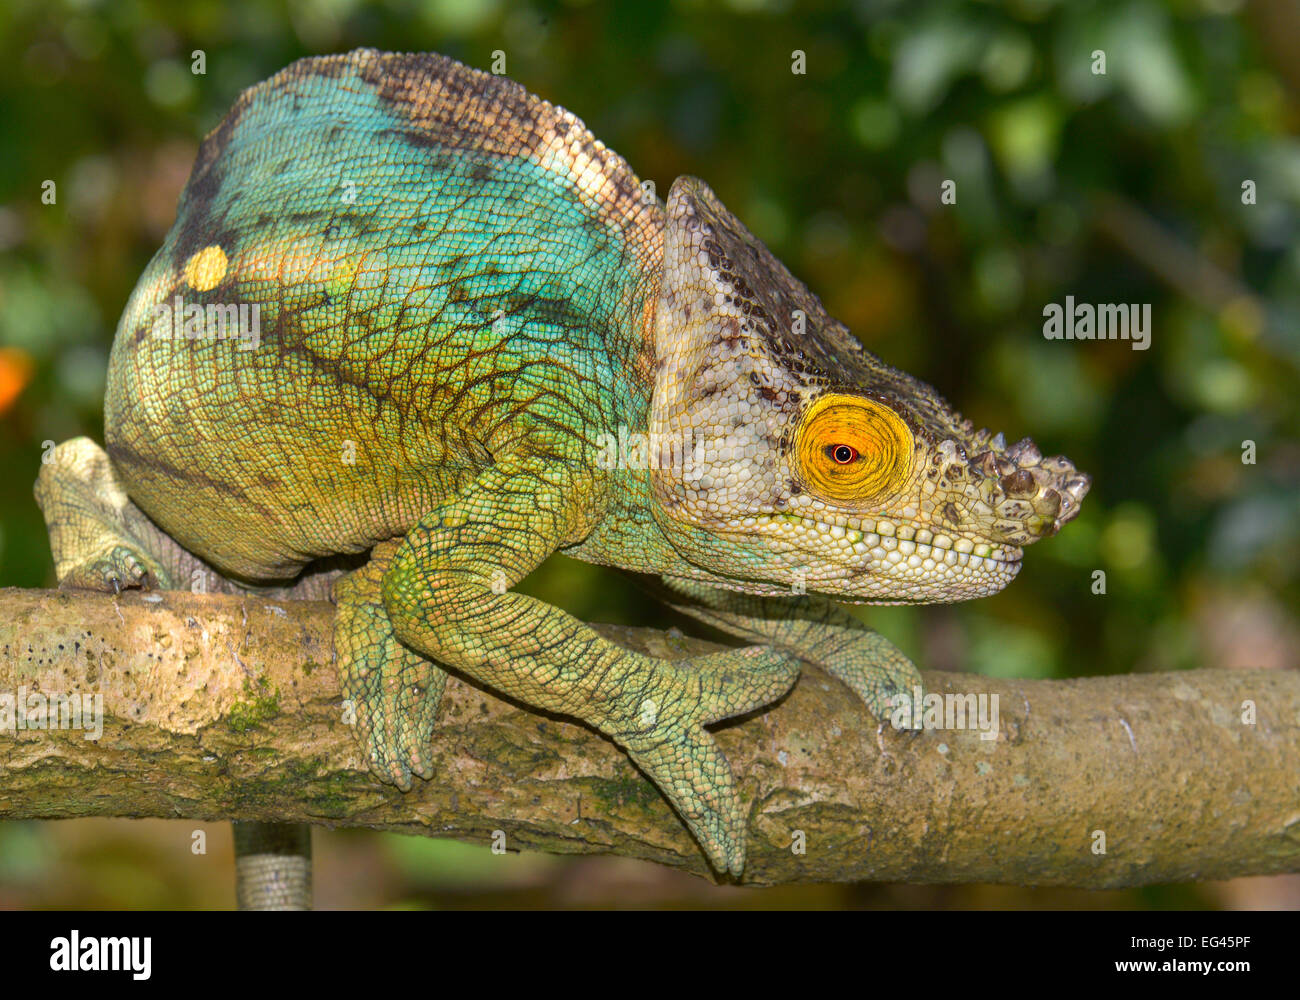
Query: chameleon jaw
[878, 560]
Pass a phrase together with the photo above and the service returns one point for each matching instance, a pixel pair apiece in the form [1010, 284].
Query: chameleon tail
[272, 866]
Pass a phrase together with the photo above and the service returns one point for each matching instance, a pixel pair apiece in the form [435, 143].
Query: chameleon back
[385, 269]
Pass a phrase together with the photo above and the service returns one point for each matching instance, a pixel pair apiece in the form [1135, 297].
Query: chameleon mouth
[879, 541]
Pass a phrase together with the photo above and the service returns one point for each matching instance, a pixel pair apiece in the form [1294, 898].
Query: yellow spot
[206, 268]
[851, 449]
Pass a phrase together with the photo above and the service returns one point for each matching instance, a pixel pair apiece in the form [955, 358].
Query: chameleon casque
[461, 296]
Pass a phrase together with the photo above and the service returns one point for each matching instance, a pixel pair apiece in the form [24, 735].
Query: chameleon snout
[1032, 497]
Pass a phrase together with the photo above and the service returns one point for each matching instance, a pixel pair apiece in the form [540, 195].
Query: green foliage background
[1125, 186]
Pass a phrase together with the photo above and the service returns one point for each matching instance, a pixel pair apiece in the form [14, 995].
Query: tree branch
[219, 707]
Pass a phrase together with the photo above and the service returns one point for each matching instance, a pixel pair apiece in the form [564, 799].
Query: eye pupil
[842, 454]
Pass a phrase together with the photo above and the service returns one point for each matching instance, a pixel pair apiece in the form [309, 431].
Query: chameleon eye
[850, 449]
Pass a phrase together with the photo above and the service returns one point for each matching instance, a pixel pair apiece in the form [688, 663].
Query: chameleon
[414, 330]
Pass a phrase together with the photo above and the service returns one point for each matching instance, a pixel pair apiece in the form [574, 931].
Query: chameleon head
[806, 460]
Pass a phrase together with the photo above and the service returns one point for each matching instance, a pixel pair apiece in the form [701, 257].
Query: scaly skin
[464, 298]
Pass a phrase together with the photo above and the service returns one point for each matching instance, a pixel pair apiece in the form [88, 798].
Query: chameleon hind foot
[92, 523]
[394, 691]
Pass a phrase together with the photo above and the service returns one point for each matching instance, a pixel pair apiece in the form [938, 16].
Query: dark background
[1123, 187]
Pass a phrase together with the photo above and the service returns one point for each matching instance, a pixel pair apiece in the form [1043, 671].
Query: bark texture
[222, 707]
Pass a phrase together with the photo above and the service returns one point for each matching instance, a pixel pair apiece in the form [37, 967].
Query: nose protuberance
[1019, 484]
[1032, 496]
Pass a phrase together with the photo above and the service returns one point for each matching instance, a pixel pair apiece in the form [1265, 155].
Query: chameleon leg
[394, 690]
[100, 539]
[447, 596]
[809, 626]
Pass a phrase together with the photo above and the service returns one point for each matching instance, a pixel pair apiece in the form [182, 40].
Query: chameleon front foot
[666, 738]
[877, 672]
[813, 628]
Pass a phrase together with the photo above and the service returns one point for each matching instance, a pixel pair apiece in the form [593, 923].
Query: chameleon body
[462, 298]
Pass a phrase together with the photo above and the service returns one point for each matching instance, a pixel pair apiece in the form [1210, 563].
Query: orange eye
[851, 449]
